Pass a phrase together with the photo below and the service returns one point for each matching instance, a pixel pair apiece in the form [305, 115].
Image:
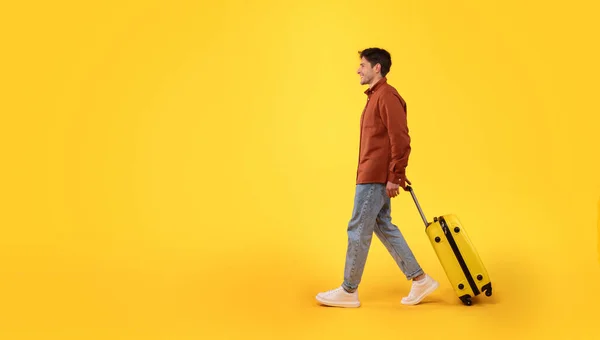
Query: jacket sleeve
[393, 115]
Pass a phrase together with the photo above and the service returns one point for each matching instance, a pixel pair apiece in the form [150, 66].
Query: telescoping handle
[412, 193]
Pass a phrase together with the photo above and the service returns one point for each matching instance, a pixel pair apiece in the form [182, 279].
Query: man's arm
[394, 118]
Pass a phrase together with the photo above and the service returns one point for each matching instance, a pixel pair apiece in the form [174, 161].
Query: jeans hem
[415, 274]
[348, 289]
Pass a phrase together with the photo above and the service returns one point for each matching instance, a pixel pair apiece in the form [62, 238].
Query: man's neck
[375, 81]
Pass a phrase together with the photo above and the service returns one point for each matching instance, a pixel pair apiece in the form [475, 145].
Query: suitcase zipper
[459, 256]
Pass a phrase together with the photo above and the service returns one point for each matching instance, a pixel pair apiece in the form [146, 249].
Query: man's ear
[377, 68]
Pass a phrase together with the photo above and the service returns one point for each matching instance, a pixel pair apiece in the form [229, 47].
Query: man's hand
[392, 189]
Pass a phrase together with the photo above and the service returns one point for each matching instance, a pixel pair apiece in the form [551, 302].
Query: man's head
[375, 63]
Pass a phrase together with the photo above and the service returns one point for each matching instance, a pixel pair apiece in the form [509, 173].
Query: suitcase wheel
[466, 299]
[487, 289]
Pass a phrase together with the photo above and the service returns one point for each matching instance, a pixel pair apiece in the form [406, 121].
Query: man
[383, 158]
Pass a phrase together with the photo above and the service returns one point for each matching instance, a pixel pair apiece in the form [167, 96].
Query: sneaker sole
[424, 295]
[338, 304]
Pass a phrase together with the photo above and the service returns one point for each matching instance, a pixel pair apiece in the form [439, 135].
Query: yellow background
[186, 170]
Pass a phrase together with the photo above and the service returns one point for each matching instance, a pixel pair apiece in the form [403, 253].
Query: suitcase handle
[412, 193]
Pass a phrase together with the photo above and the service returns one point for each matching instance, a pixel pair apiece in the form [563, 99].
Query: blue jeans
[372, 213]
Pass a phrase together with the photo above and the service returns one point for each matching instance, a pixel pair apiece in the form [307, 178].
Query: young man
[383, 158]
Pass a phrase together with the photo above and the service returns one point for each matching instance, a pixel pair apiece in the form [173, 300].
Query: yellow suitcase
[457, 255]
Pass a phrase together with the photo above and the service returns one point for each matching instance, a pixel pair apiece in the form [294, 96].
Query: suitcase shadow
[443, 296]
[447, 296]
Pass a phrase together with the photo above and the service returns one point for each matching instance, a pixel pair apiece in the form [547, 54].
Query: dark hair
[379, 56]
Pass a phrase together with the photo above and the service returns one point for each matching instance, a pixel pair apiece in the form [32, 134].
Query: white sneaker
[339, 297]
[419, 290]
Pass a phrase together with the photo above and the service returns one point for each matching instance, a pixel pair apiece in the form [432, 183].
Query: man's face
[366, 72]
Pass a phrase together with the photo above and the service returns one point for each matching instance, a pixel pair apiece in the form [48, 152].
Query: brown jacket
[384, 139]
